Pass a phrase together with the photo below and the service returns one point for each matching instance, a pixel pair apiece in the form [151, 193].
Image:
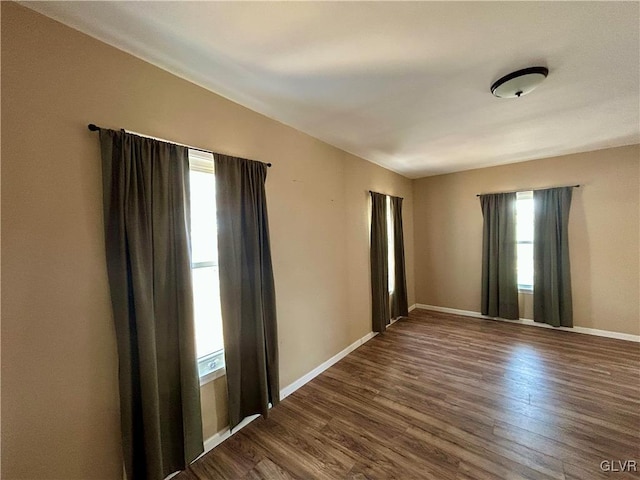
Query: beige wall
[603, 233]
[213, 400]
[60, 403]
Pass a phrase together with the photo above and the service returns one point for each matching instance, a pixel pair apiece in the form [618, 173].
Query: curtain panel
[247, 291]
[379, 259]
[552, 301]
[399, 303]
[499, 256]
[146, 215]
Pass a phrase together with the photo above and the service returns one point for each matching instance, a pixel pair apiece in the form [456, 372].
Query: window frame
[211, 365]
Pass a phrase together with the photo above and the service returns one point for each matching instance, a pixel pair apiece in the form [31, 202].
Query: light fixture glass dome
[519, 83]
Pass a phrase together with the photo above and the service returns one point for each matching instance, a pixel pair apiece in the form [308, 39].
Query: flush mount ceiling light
[519, 83]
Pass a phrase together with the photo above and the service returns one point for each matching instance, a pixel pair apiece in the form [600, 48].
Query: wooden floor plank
[444, 397]
[267, 470]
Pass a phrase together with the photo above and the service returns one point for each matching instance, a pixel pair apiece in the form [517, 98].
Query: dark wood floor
[446, 397]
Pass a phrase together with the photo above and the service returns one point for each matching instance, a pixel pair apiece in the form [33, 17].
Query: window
[204, 266]
[524, 236]
[390, 249]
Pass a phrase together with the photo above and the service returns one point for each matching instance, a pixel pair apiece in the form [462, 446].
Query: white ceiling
[404, 85]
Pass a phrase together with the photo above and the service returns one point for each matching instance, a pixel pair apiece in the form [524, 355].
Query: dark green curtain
[247, 291]
[379, 258]
[399, 303]
[552, 271]
[499, 256]
[146, 215]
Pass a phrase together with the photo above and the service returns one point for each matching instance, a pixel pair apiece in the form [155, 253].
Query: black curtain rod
[94, 128]
[371, 191]
[528, 190]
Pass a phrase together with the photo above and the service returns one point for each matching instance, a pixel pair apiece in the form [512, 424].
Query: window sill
[527, 291]
[211, 376]
[211, 367]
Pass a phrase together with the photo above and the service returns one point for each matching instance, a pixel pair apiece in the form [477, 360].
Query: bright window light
[204, 264]
[390, 243]
[524, 235]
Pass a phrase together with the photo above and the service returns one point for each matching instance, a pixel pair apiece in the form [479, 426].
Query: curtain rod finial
[93, 127]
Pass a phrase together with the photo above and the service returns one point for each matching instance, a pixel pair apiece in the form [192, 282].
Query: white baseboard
[216, 439]
[412, 307]
[525, 321]
[289, 389]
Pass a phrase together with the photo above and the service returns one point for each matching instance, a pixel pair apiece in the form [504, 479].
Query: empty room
[320, 240]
